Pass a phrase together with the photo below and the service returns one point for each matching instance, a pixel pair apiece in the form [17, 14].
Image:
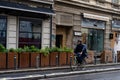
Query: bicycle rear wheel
[83, 65]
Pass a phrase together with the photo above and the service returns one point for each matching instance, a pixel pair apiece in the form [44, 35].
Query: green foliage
[26, 49]
[2, 48]
[12, 50]
[61, 49]
[34, 49]
[68, 50]
[54, 49]
[19, 50]
[45, 51]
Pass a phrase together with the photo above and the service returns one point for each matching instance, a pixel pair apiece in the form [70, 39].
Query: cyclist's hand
[80, 52]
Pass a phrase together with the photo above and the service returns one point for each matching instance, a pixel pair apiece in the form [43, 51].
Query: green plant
[68, 50]
[45, 51]
[54, 49]
[26, 49]
[33, 49]
[11, 50]
[2, 48]
[19, 50]
[61, 49]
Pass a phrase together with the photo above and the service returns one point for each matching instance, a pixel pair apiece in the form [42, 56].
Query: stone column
[46, 34]
[12, 32]
[106, 36]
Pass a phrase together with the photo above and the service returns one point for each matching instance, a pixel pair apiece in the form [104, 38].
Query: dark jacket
[81, 48]
[78, 48]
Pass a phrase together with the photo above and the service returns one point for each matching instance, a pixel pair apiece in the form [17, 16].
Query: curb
[30, 77]
[52, 68]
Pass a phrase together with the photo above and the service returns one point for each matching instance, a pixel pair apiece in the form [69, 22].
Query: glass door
[95, 40]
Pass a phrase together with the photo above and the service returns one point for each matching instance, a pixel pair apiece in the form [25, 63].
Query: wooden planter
[44, 60]
[118, 56]
[68, 57]
[2, 60]
[53, 58]
[62, 58]
[11, 60]
[90, 59]
[106, 56]
[33, 59]
[24, 60]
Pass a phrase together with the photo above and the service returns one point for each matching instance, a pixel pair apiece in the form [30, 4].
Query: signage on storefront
[97, 17]
[77, 33]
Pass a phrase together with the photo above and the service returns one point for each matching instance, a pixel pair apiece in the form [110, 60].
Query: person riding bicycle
[80, 51]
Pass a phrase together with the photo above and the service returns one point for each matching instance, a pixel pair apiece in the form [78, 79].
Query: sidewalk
[54, 68]
[57, 71]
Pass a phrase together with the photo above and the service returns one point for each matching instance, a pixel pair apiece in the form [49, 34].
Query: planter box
[23, 60]
[118, 56]
[90, 59]
[53, 58]
[33, 60]
[10, 60]
[106, 56]
[2, 60]
[44, 60]
[62, 58]
[68, 58]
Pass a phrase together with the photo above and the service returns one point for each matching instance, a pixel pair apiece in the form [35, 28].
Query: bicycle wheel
[74, 65]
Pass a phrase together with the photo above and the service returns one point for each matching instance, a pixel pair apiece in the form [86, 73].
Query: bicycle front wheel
[74, 65]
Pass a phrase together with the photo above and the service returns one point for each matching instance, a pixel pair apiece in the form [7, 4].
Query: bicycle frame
[75, 65]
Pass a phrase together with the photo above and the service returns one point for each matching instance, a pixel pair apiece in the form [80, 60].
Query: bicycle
[75, 65]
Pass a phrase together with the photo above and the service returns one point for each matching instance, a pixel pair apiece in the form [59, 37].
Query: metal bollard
[70, 60]
[106, 59]
[37, 61]
[95, 60]
[57, 60]
[15, 62]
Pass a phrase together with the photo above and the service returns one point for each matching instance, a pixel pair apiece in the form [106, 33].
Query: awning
[97, 17]
[26, 8]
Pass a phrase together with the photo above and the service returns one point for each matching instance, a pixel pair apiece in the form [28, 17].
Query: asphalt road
[90, 76]
[111, 75]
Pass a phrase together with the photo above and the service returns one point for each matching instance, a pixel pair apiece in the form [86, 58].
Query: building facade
[26, 23]
[95, 22]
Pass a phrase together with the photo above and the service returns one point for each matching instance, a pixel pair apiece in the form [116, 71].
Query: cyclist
[80, 51]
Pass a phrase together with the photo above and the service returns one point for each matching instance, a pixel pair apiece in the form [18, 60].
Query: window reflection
[3, 26]
[94, 38]
[30, 32]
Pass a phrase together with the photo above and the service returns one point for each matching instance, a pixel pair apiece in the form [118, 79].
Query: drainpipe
[50, 31]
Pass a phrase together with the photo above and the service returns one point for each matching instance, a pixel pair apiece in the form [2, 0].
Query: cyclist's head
[79, 41]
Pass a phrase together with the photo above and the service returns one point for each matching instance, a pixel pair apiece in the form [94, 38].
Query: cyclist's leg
[83, 64]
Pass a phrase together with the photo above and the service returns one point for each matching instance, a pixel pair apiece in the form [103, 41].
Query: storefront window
[116, 23]
[3, 27]
[94, 38]
[30, 32]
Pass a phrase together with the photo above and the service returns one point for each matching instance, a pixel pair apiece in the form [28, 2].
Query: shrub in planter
[2, 57]
[69, 52]
[53, 56]
[44, 57]
[12, 53]
[62, 56]
[23, 57]
[34, 54]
